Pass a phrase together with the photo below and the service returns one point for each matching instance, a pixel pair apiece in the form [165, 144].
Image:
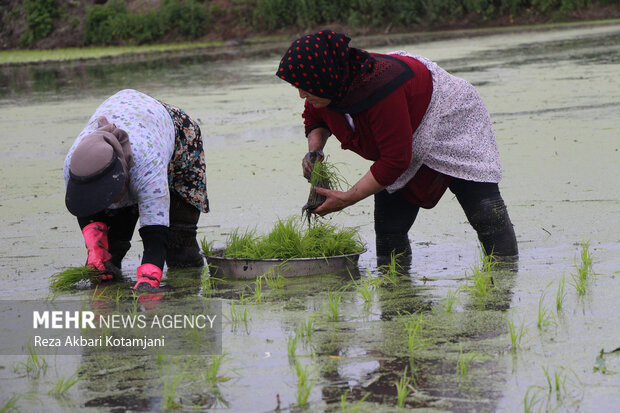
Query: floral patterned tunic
[167, 150]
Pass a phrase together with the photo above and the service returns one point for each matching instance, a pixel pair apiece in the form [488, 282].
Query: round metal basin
[222, 267]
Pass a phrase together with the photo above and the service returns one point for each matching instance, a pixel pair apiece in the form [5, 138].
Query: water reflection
[61, 81]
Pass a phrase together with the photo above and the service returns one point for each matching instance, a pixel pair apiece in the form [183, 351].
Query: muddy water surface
[553, 97]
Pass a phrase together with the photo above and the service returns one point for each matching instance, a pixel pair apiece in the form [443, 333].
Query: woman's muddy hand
[308, 161]
[335, 201]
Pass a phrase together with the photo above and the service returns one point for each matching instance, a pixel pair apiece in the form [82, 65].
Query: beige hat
[99, 170]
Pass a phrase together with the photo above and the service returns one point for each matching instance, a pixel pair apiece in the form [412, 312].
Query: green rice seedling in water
[530, 400]
[207, 282]
[545, 317]
[63, 385]
[212, 374]
[304, 383]
[344, 408]
[482, 282]
[560, 295]
[135, 297]
[586, 258]
[34, 366]
[65, 280]
[10, 405]
[464, 361]
[257, 296]
[402, 389]
[413, 325]
[306, 328]
[451, 298]
[391, 273]
[333, 304]
[161, 358]
[291, 345]
[365, 287]
[236, 315]
[516, 334]
[580, 284]
[558, 381]
[584, 269]
[274, 281]
[169, 391]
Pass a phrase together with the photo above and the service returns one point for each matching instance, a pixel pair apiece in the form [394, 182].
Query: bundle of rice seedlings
[324, 175]
[66, 279]
[288, 239]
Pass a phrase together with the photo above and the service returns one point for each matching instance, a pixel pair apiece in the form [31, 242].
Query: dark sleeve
[390, 125]
[312, 118]
[98, 217]
[155, 241]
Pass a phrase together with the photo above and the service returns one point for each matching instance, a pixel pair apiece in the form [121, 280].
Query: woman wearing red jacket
[425, 130]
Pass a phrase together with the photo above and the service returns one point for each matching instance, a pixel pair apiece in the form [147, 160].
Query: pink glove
[148, 275]
[96, 239]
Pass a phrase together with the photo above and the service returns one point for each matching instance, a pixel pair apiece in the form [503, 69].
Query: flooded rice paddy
[553, 96]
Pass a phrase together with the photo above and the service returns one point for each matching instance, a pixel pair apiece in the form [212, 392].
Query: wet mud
[553, 96]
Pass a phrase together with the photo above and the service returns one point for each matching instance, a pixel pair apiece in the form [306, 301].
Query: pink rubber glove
[148, 275]
[96, 239]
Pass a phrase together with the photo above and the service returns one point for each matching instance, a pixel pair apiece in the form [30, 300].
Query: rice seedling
[580, 284]
[451, 298]
[333, 304]
[344, 408]
[161, 358]
[135, 302]
[464, 361]
[530, 400]
[66, 279]
[307, 328]
[304, 383]
[257, 295]
[10, 405]
[324, 175]
[237, 315]
[212, 373]
[516, 334]
[402, 389]
[586, 258]
[556, 384]
[274, 281]
[63, 385]
[560, 295]
[207, 282]
[207, 247]
[365, 288]
[287, 240]
[545, 317]
[291, 345]
[584, 269]
[365, 291]
[482, 282]
[170, 399]
[34, 366]
[381, 279]
[392, 272]
[413, 325]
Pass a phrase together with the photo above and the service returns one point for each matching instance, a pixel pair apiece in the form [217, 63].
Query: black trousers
[179, 247]
[482, 203]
